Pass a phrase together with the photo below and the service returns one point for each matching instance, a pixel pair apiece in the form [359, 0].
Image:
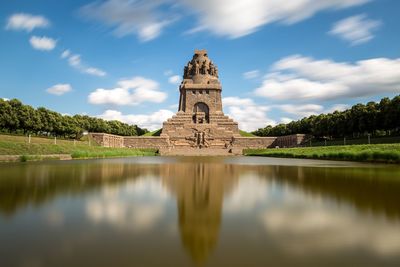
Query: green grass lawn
[246, 134]
[389, 153]
[153, 133]
[18, 145]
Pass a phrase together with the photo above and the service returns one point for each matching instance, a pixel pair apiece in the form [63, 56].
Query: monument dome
[200, 69]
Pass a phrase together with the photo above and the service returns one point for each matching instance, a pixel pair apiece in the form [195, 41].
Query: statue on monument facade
[196, 68]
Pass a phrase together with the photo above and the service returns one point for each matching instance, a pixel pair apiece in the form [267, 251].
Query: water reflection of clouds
[137, 206]
[303, 227]
[247, 195]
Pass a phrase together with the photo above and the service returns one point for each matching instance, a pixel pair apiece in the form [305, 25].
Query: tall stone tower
[200, 122]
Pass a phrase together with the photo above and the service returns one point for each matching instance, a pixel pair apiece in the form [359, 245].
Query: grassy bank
[153, 133]
[246, 134]
[18, 145]
[387, 153]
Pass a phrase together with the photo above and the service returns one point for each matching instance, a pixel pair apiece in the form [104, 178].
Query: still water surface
[180, 211]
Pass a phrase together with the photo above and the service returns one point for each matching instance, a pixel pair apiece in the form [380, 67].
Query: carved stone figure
[204, 68]
[212, 69]
[189, 66]
[196, 68]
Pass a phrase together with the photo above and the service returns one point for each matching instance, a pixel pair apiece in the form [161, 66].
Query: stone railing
[108, 140]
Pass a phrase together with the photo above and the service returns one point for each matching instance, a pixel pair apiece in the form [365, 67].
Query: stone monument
[200, 122]
[200, 126]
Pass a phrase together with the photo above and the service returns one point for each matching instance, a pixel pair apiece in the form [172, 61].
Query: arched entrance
[201, 113]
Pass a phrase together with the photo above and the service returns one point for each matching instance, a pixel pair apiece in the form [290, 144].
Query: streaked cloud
[26, 22]
[42, 43]
[237, 18]
[356, 29]
[74, 60]
[59, 89]
[95, 72]
[248, 75]
[304, 78]
[230, 18]
[125, 17]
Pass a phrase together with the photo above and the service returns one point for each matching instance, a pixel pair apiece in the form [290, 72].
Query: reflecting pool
[199, 211]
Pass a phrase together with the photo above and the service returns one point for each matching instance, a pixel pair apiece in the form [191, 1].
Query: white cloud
[59, 89]
[27, 22]
[6, 99]
[251, 74]
[305, 110]
[95, 72]
[151, 31]
[356, 29]
[231, 18]
[249, 115]
[304, 78]
[129, 92]
[42, 43]
[302, 110]
[237, 101]
[236, 18]
[286, 120]
[175, 79]
[65, 54]
[151, 121]
[142, 18]
[75, 61]
[337, 107]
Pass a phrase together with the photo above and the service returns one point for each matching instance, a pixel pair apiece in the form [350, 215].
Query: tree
[357, 121]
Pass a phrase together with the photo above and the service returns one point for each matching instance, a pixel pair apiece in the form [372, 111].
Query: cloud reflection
[139, 206]
[301, 227]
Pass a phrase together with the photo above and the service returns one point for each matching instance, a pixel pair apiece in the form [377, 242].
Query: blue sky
[123, 59]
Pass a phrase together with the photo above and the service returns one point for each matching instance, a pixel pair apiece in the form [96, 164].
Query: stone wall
[145, 142]
[167, 145]
[253, 142]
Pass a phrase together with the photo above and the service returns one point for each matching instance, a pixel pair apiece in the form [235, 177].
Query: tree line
[375, 118]
[16, 117]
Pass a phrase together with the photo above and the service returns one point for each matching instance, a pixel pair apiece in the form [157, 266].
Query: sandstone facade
[200, 126]
[200, 122]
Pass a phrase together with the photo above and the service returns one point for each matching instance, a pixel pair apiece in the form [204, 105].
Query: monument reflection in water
[166, 211]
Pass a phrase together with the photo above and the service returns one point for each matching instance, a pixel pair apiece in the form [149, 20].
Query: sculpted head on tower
[200, 69]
